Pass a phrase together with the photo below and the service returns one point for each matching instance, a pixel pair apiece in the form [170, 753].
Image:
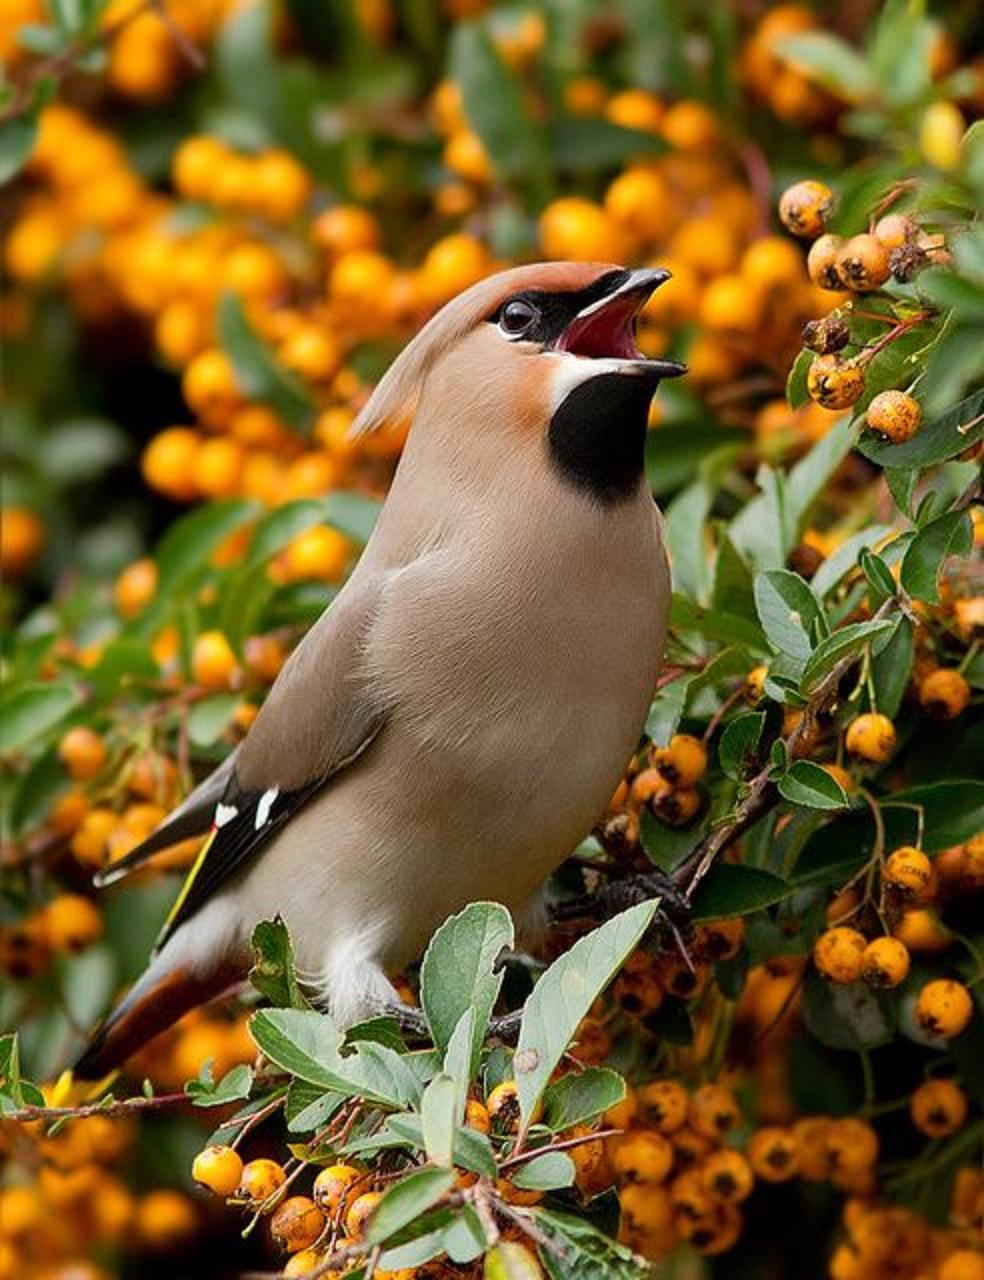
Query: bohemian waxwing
[454, 724]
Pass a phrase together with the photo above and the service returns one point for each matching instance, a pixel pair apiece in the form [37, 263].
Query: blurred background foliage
[222, 219]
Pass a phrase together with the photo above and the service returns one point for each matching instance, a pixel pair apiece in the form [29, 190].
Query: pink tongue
[607, 332]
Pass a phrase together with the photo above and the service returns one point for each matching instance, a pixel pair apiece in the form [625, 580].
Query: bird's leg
[506, 1026]
[618, 894]
[411, 1021]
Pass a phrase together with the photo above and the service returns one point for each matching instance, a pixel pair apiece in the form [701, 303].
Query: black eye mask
[555, 311]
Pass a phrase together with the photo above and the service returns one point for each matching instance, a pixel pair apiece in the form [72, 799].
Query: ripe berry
[477, 1116]
[871, 736]
[772, 1154]
[863, 263]
[664, 1105]
[676, 808]
[922, 932]
[261, 1179]
[727, 1176]
[719, 939]
[296, 1224]
[938, 1108]
[894, 415]
[944, 1008]
[332, 1184]
[359, 1212]
[218, 1168]
[713, 1111]
[962, 1264]
[83, 752]
[885, 963]
[72, 922]
[838, 954]
[755, 683]
[944, 694]
[300, 1264]
[503, 1107]
[894, 229]
[642, 1156]
[135, 587]
[822, 262]
[909, 872]
[852, 1145]
[835, 383]
[683, 762]
[213, 663]
[803, 208]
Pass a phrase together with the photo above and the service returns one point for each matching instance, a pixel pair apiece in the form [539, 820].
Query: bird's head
[541, 355]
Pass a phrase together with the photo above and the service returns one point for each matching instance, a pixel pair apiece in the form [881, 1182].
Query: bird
[455, 722]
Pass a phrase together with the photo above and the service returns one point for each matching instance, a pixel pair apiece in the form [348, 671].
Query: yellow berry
[713, 1111]
[683, 762]
[72, 922]
[839, 954]
[296, 1224]
[938, 1108]
[213, 663]
[944, 693]
[772, 1154]
[260, 1180]
[885, 962]
[863, 263]
[359, 1213]
[218, 1168]
[944, 1008]
[894, 415]
[909, 872]
[642, 1156]
[822, 262]
[833, 382]
[871, 736]
[727, 1176]
[332, 1184]
[135, 587]
[83, 753]
[803, 208]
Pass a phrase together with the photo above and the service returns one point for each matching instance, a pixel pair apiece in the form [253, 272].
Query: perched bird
[454, 724]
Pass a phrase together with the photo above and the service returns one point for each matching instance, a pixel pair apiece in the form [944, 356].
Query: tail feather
[155, 1001]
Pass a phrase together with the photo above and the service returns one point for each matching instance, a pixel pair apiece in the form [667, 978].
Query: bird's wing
[318, 718]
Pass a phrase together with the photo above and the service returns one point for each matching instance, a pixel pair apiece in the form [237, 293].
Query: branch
[762, 795]
[112, 1109]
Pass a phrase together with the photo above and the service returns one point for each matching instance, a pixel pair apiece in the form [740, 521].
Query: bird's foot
[410, 1020]
[671, 924]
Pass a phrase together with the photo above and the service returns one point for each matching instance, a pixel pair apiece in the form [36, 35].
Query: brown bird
[455, 722]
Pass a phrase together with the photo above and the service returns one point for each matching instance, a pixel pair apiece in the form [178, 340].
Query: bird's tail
[155, 1001]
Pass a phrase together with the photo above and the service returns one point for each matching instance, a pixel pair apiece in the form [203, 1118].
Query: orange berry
[885, 962]
[772, 263]
[871, 736]
[260, 1180]
[944, 693]
[714, 1111]
[168, 463]
[944, 1007]
[575, 228]
[502, 1105]
[719, 940]
[218, 1168]
[68, 813]
[21, 537]
[210, 388]
[822, 262]
[852, 1144]
[833, 382]
[280, 186]
[332, 1185]
[83, 753]
[894, 230]
[922, 932]
[962, 1264]
[135, 587]
[803, 208]
[219, 468]
[311, 351]
[641, 201]
[691, 126]
[213, 663]
[89, 843]
[839, 954]
[909, 872]
[307, 1260]
[344, 228]
[72, 922]
[477, 1116]
[772, 1154]
[465, 155]
[321, 553]
[683, 762]
[296, 1224]
[938, 1108]
[165, 1220]
[727, 1176]
[642, 1156]
[635, 109]
[359, 1213]
[863, 263]
[451, 265]
[894, 415]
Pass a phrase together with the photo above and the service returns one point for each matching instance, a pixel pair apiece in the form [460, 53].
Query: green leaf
[190, 541]
[407, 1200]
[891, 668]
[354, 514]
[458, 1059]
[301, 1041]
[738, 748]
[578, 1098]
[581, 144]
[713, 624]
[878, 574]
[280, 526]
[948, 535]
[29, 713]
[581, 1251]
[945, 437]
[788, 611]
[549, 1172]
[258, 373]
[850, 640]
[831, 62]
[733, 591]
[685, 518]
[845, 558]
[208, 720]
[438, 1115]
[563, 996]
[494, 105]
[272, 973]
[233, 1087]
[729, 889]
[845, 1016]
[464, 1238]
[456, 972]
[17, 138]
[796, 392]
[510, 1260]
[309, 1107]
[122, 662]
[666, 709]
[901, 483]
[805, 783]
[81, 449]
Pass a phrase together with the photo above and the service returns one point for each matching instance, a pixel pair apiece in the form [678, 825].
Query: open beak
[606, 328]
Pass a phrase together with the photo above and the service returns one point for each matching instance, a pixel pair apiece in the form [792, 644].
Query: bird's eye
[517, 317]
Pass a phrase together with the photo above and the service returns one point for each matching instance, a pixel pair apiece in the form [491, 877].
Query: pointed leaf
[407, 1200]
[437, 1114]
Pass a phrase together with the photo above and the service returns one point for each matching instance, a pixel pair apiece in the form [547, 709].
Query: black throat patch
[597, 437]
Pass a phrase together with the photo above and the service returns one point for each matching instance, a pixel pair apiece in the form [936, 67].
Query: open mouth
[607, 328]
